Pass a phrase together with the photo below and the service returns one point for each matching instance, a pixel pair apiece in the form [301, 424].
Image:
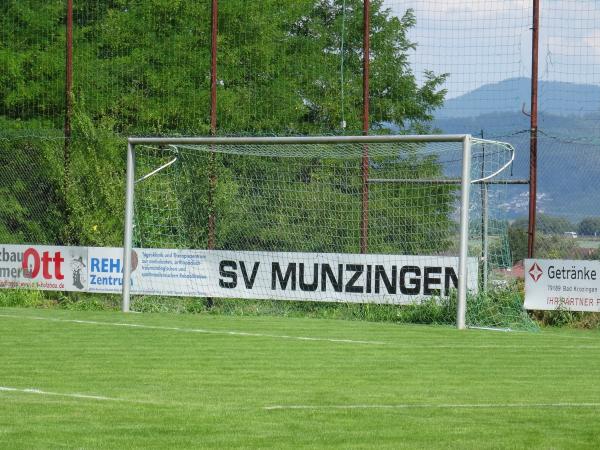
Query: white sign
[333, 277]
[280, 276]
[154, 271]
[562, 284]
[43, 267]
[232, 274]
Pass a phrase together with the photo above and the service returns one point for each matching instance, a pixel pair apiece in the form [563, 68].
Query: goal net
[326, 219]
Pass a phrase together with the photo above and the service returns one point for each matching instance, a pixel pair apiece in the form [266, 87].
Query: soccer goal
[356, 219]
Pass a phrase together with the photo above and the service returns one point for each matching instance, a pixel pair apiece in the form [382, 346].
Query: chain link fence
[291, 68]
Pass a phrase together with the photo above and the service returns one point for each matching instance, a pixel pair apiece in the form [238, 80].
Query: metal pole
[212, 177]
[212, 162]
[272, 140]
[533, 131]
[364, 222]
[464, 235]
[456, 181]
[484, 221]
[128, 241]
[484, 233]
[68, 107]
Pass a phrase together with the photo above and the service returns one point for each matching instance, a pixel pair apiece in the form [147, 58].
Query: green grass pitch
[109, 380]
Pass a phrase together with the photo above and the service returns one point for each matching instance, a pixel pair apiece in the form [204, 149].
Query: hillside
[568, 168]
[558, 98]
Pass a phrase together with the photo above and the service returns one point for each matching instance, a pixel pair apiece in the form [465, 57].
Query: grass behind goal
[105, 380]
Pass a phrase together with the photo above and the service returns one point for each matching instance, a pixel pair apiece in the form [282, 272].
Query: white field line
[70, 395]
[198, 330]
[412, 345]
[436, 406]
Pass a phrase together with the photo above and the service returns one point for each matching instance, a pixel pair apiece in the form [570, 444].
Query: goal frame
[465, 183]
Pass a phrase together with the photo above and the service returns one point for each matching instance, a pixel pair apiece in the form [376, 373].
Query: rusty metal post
[68, 108]
[364, 222]
[212, 176]
[212, 162]
[533, 131]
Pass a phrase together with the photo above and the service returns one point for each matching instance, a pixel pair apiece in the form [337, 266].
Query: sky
[485, 41]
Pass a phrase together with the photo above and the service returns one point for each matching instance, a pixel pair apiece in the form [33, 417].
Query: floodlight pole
[464, 235]
[128, 241]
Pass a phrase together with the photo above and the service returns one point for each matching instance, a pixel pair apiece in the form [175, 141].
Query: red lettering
[57, 260]
[31, 271]
[45, 261]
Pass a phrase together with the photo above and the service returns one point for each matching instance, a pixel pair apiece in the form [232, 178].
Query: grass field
[108, 380]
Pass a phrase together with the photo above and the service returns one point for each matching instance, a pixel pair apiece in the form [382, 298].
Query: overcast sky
[486, 41]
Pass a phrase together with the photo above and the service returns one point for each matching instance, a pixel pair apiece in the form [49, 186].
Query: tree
[546, 224]
[281, 68]
[589, 226]
[143, 68]
[546, 245]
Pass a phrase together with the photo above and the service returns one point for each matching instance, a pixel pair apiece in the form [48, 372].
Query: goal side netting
[352, 220]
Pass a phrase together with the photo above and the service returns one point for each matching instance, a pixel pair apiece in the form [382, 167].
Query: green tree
[142, 67]
[281, 68]
[550, 246]
[31, 60]
[546, 224]
[589, 226]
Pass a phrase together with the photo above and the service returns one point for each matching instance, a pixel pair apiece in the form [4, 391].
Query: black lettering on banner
[358, 269]
[249, 282]
[231, 274]
[315, 283]
[276, 275]
[380, 274]
[449, 275]
[368, 282]
[326, 272]
[415, 283]
[430, 280]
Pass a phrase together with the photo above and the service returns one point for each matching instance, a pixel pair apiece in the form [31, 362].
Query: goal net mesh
[309, 198]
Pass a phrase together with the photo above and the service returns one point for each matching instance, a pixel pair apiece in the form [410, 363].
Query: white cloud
[485, 41]
[460, 9]
[592, 41]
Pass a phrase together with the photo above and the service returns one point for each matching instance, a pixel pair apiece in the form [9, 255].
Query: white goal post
[208, 145]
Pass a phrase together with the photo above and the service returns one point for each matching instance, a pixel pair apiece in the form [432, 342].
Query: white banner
[43, 267]
[154, 271]
[562, 284]
[333, 277]
[235, 274]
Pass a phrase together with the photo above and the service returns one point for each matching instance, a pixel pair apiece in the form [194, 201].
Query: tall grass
[498, 308]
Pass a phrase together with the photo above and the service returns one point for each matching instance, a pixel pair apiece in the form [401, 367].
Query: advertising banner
[236, 274]
[562, 284]
[334, 277]
[154, 271]
[43, 267]
[279, 275]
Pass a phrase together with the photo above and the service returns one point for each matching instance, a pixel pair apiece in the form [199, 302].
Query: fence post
[68, 112]
[364, 222]
[533, 131]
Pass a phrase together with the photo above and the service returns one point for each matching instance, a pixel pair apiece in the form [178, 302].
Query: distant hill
[568, 142]
[509, 96]
[568, 167]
